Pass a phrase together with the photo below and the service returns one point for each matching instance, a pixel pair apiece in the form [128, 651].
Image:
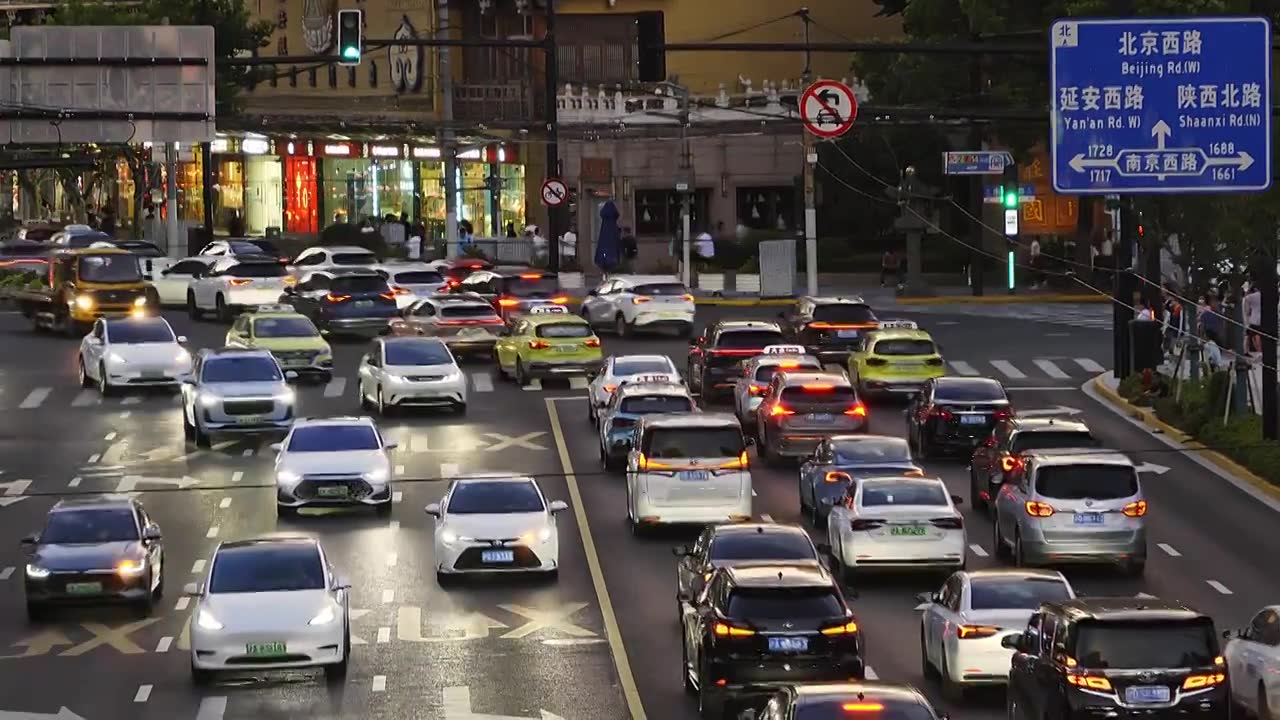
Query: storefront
[301, 201]
[346, 187]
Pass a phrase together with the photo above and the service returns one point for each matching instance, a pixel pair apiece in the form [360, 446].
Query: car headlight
[377, 476]
[36, 572]
[448, 536]
[286, 477]
[324, 617]
[209, 399]
[116, 359]
[84, 302]
[130, 568]
[286, 396]
[531, 537]
[140, 302]
[182, 356]
[207, 621]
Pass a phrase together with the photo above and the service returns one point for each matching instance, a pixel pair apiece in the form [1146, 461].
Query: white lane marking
[1168, 550]
[109, 436]
[85, 398]
[6, 573]
[395, 525]
[962, 367]
[213, 532]
[448, 470]
[384, 634]
[226, 503]
[125, 415]
[534, 384]
[399, 470]
[132, 400]
[1008, 369]
[391, 559]
[237, 476]
[1057, 334]
[870, 673]
[766, 518]
[198, 566]
[75, 482]
[94, 458]
[143, 694]
[335, 387]
[1050, 369]
[1089, 365]
[397, 496]
[577, 383]
[947, 322]
[248, 452]
[182, 603]
[212, 708]
[481, 382]
[978, 550]
[379, 683]
[388, 595]
[1219, 587]
[165, 643]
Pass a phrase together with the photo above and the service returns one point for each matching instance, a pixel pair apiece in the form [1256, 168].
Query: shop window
[431, 187]
[347, 188]
[595, 49]
[658, 211]
[476, 197]
[767, 208]
[511, 202]
[392, 187]
[190, 197]
[228, 196]
[300, 199]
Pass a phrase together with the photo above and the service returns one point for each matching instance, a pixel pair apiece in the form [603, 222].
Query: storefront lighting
[420, 153]
[335, 149]
[291, 147]
[219, 145]
[470, 155]
[385, 151]
[255, 146]
[502, 154]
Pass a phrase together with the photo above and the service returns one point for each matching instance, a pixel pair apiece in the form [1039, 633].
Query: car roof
[911, 479]
[733, 325]
[351, 271]
[274, 315]
[509, 270]
[647, 279]
[546, 318]
[900, 334]
[494, 477]
[410, 339]
[268, 541]
[95, 502]
[757, 528]
[234, 352]
[834, 299]
[818, 692]
[962, 382]
[95, 251]
[780, 358]
[1125, 608]
[657, 358]
[345, 249]
[792, 379]
[136, 320]
[335, 420]
[1040, 424]
[1013, 574]
[1075, 456]
[692, 420]
[653, 388]
[779, 575]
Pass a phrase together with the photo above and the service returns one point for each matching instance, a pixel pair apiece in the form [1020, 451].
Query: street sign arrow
[829, 97]
[13, 492]
[1080, 163]
[470, 626]
[1161, 132]
[129, 482]
[1147, 467]
[63, 713]
[40, 644]
[1242, 161]
[457, 706]
[1049, 411]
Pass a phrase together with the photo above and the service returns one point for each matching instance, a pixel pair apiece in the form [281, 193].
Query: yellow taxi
[547, 341]
[897, 358]
[288, 335]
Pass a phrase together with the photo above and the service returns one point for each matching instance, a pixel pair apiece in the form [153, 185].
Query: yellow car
[290, 336]
[547, 342]
[896, 359]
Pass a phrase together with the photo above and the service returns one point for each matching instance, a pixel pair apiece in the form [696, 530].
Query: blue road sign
[978, 162]
[991, 193]
[1161, 105]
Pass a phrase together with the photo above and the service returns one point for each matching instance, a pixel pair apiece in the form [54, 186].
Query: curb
[1003, 299]
[1148, 418]
[745, 302]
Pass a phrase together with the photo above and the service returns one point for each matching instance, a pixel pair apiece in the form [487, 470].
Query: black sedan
[738, 543]
[91, 551]
[838, 459]
[955, 414]
[847, 701]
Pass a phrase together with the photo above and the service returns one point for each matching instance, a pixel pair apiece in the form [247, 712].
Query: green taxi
[547, 342]
[290, 336]
[896, 359]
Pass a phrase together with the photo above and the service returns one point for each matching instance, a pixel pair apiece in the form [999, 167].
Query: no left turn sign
[828, 108]
[554, 192]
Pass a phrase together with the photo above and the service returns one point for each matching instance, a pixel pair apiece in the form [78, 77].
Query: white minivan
[688, 469]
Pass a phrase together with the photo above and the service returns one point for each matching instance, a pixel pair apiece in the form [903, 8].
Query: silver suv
[1072, 506]
[233, 391]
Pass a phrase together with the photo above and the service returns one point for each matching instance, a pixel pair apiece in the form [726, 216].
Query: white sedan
[133, 352]
[333, 461]
[618, 369]
[404, 371]
[1253, 664]
[965, 623]
[896, 522]
[270, 604]
[171, 283]
[494, 524]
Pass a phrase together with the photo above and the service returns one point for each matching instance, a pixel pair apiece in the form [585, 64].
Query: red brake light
[240, 282]
[337, 298]
[941, 413]
[756, 389]
[819, 388]
[591, 342]
[562, 300]
[777, 410]
[1009, 463]
[1035, 508]
[531, 276]
[639, 300]
[973, 632]
[399, 291]
[836, 476]
[453, 283]
[857, 410]
[862, 707]
[1003, 414]
[610, 388]
[539, 344]
[387, 295]
[508, 302]
[687, 298]
[726, 630]
[1135, 509]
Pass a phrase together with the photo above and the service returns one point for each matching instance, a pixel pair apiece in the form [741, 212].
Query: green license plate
[332, 491]
[267, 649]
[249, 419]
[908, 531]
[84, 588]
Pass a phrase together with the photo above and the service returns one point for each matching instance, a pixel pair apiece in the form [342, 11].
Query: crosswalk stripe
[85, 398]
[534, 385]
[1051, 369]
[35, 398]
[481, 382]
[335, 387]
[1008, 369]
[1089, 365]
[962, 367]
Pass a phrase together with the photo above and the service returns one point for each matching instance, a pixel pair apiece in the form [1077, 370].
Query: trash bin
[1146, 350]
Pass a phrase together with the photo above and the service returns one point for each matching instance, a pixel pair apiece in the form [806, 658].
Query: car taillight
[858, 410]
[531, 276]
[387, 295]
[562, 300]
[687, 298]
[443, 288]
[1035, 508]
[757, 389]
[539, 344]
[1196, 682]
[819, 388]
[862, 707]
[733, 351]
[641, 300]
[836, 476]
[399, 291]
[727, 630]
[337, 298]
[877, 362]
[778, 410]
[591, 342]
[951, 523]
[865, 524]
[240, 282]
[848, 628]
[1003, 414]
[941, 413]
[1136, 509]
[973, 632]
[454, 283]
[289, 279]
[508, 302]
[1009, 463]
[1089, 682]
[933, 361]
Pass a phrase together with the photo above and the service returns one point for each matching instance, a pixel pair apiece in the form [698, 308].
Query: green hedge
[15, 279]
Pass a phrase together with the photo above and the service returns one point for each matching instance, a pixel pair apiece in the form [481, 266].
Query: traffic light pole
[1011, 201]
[555, 215]
[449, 145]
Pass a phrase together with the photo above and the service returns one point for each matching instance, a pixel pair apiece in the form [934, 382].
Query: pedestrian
[1252, 309]
[91, 216]
[1144, 311]
[107, 223]
[537, 244]
[889, 266]
[568, 249]
[1036, 260]
[413, 247]
[630, 250]
[1212, 323]
[511, 230]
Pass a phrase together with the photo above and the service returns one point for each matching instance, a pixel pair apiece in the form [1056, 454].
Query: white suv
[626, 303]
[333, 461]
[325, 258]
[233, 284]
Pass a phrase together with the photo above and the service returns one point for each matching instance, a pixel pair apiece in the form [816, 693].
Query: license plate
[266, 649]
[820, 418]
[693, 475]
[908, 531]
[1146, 694]
[249, 419]
[566, 348]
[364, 303]
[472, 332]
[788, 644]
[332, 491]
[672, 315]
[846, 334]
[84, 588]
[152, 373]
[1088, 518]
[973, 419]
[497, 556]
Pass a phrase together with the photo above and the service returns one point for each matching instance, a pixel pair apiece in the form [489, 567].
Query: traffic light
[1009, 188]
[350, 37]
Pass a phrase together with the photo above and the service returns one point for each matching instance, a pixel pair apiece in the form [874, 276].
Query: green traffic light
[1011, 199]
[351, 52]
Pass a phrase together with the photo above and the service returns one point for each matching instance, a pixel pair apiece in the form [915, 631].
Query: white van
[688, 468]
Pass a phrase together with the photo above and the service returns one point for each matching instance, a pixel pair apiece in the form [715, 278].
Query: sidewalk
[947, 295]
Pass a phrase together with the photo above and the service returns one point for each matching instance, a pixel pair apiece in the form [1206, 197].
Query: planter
[713, 282]
[748, 283]
[571, 280]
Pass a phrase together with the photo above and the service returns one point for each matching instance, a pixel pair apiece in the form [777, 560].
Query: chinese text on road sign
[554, 192]
[978, 162]
[1161, 105]
[828, 108]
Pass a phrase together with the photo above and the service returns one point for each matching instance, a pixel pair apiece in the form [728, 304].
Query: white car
[340, 461]
[270, 604]
[965, 622]
[494, 524]
[405, 370]
[895, 522]
[413, 281]
[627, 303]
[171, 283]
[133, 352]
[618, 369]
[1253, 664]
[327, 258]
[232, 284]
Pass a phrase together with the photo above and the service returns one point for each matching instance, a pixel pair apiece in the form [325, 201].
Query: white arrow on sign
[1080, 163]
[1161, 132]
[1049, 411]
[457, 706]
[1242, 161]
[64, 713]
[13, 492]
[1147, 467]
[129, 482]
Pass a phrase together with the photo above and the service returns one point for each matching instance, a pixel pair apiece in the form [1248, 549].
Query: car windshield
[871, 450]
[256, 270]
[132, 332]
[267, 568]
[265, 246]
[359, 284]
[749, 339]
[654, 404]
[674, 443]
[84, 240]
[1094, 482]
[479, 497]
[249, 368]
[661, 290]
[457, 312]
[883, 493]
[766, 373]
[1133, 645]
[1025, 593]
[834, 709]
[904, 347]
[355, 259]
[844, 314]
[539, 286]
[110, 269]
[419, 277]
[968, 390]
[1053, 439]
[141, 248]
[564, 330]
[284, 327]
[244, 248]
[418, 352]
[647, 366]
[90, 525]
[784, 603]
[333, 438]
[748, 545]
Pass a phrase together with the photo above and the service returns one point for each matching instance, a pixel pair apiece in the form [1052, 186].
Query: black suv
[759, 625]
[828, 327]
[955, 413]
[1117, 658]
[715, 357]
[1002, 451]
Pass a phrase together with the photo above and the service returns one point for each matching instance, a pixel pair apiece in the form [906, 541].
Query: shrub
[1241, 440]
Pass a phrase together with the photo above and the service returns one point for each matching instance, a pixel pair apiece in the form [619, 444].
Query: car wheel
[497, 363]
[689, 687]
[104, 385]
[146, 605]
[188, 431]
[193, 310]
[286, 511]
[85, 380]
[522, 377]
[365, 404]
[591, 411]
[1264, 705]
[221, 311]
[927, 670]
[380, 403]
[383, 510]
[1019, 555]
[35, 612]
[709, 707]
[997, 539]
[460, 408]
[158, 593]
[620, 327]
[1135, 568]
[951, 690]
[201, 677]
[337, 672]
[201, 437]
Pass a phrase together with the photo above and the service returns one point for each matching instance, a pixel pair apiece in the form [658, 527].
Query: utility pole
[977, 236]
[810, 160]
[449, 149]
[555, 217]
[1123, 231]
[1266, 279]
[685, 186]
[171, 197]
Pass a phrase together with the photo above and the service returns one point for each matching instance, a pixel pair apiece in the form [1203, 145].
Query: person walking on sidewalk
[890, 265]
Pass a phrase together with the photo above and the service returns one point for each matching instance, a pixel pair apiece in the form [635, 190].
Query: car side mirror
[1012, 642]
[684, 597]
[151, 534]
[291, 375]
[189, 381]
[341, 583]
[593, 293]
[924, 598]
[433, 510]
[957, 499]
[29, 540]
[290, 290]
[182, 339]
[192, 590]
[556, 506]
[165, 272]
[391, 446]
[277, 447]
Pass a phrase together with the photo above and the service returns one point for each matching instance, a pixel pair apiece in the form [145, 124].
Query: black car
[755, 626]
[848, 701]
[955, 413]
[514, 290]
[1002, 450]
[355, 301]
[94, 550]
[828, 327]
[1117, 658]
[741, 543]
[715, 357]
